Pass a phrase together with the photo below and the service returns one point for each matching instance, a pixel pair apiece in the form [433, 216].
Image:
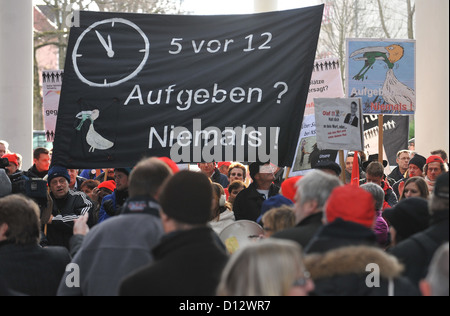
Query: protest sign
[192, 88]
[382, 73]
[51, 89]
[339, 123]
[326, 82]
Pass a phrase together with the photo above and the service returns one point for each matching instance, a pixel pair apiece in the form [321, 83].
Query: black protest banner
[395, 137]
[192, 88]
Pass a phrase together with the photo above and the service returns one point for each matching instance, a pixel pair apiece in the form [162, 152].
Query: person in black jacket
[248, 202]
[344, 258]
[41, 163]
[68, 205]
[417, 251]
[189, 259]
[313, 191]
[25, 267]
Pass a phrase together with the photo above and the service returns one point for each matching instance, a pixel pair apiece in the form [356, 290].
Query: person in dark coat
[189, 259]
[313, 191]
[125, 240]
[415, 169]
[25, 267]
[41, 163]
[339, 255]
[248, 202]
[349, 215]
[68, 205]
[417, 251]
[358, 271]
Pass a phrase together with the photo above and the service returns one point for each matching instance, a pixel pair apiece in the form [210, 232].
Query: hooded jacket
[358, 271]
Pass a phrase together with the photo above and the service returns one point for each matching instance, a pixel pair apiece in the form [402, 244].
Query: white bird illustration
[94, 139]
[396, 92]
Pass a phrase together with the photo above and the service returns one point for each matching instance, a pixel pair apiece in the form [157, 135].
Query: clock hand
[108, 47]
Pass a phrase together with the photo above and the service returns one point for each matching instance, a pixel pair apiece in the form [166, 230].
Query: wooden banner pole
[342, 163]
[380, 138]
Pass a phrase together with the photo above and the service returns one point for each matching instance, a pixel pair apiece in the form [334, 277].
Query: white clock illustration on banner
[110, 52]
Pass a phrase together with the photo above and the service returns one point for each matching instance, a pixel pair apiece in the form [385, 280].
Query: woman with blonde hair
[270, 267]
[278, 219]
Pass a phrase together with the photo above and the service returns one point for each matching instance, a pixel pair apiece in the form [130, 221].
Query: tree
[363, 19]
[60, 14]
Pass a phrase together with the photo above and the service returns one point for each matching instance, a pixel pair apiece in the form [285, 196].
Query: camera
[4, 162]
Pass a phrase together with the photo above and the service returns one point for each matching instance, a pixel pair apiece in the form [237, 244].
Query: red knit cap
[172, 165]
[289, 188]
[351, 203]
[434, 158]
[12, 158]
[224, 163]
[110, 184]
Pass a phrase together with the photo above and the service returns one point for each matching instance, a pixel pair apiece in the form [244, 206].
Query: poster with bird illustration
[382, 73]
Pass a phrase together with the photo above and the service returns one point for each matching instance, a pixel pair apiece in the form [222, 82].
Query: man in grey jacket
[116, 247]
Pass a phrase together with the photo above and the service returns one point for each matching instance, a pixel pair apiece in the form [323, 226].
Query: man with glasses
[403, 158]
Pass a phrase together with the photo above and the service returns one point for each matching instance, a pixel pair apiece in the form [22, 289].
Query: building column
[265, 5]
[16, 77]
[432, 76]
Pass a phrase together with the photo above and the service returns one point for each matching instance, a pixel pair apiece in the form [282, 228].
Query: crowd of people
[154, 229]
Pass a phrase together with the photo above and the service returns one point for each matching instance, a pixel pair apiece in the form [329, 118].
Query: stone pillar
[432, 76]
[16, 77]
[265, 5]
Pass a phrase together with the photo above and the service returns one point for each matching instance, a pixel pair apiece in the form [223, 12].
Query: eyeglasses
[303, 280]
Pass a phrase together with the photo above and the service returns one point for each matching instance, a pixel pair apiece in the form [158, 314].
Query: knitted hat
[110, 185]
[5, 183]
[57, 171]
[409, 216]
[12, 158]
[186, 197]
[351, 203]
[172, 165]
[272, 202]
[441, 186]
[433, 158]
[418, 161]
[224, 163]
[289, 187]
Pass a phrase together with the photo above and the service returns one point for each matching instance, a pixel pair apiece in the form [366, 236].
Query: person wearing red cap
[339, 255]
[434, 167]
[350, 217]
[13, 163]
[223, 167]
[172, 165]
